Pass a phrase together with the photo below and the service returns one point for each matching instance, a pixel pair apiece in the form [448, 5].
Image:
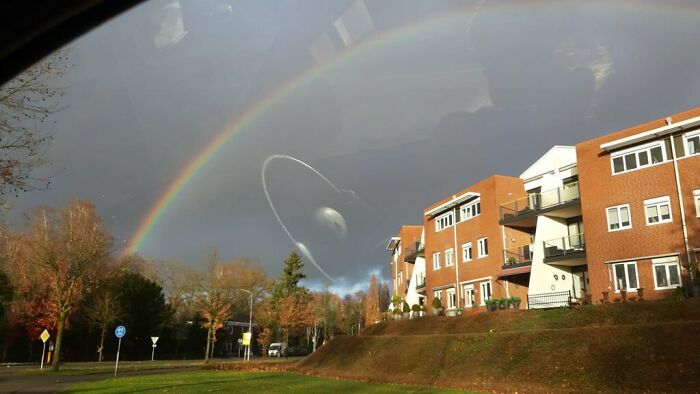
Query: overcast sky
[448, 97]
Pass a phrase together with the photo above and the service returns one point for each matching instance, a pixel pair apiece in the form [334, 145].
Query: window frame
[436, 261]
[657, 203]
[636, 273]
[468, 300]
[449, 252]
[467, 208]
[482, 285]
[618, 207]
[686, 142]
[696, 199]
[437, 294]
[467, 246]
[440, 225]
[481, 246]
[451, 298]
[636, 151]
[666, 262]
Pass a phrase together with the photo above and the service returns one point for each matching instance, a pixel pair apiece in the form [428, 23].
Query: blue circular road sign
[120, 331]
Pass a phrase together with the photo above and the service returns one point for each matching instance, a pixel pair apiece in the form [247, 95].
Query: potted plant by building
[437, 306]
[516, 302]
[508, 302]
[397, 302]
[502, 303]
[451, 312]
[415, 309]
[512, 260]
[397, 313]
[490, 305]
[406, 310]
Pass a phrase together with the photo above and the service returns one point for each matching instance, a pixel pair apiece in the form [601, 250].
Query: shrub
[515, 300]
[512, 260]
[437, 304]
[406, 308]
[396, 311]
[396, 301]
[415, 308]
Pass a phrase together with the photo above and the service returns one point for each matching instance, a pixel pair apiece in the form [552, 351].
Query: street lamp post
[250, 325]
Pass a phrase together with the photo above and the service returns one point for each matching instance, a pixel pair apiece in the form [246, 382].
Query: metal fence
[549, 300]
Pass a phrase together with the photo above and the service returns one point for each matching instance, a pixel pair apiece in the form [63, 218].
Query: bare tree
[103, 311]
[70, 249]
[26, 104]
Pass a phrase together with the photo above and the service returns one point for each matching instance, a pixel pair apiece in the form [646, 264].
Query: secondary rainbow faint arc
[253, 112]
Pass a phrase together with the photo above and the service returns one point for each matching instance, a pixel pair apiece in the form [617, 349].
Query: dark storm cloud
[402, 126]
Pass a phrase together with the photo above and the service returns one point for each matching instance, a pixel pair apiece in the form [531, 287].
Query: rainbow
[196, 164]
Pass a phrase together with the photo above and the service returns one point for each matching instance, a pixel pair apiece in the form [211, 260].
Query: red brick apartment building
[464, 257]
[640, 198]
[405, 248]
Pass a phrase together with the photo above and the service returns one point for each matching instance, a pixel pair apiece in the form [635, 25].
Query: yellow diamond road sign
[45, 336]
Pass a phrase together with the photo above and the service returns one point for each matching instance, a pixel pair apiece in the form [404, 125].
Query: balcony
[568, 250]
[561, 202]
[420, 282]
[518, 256]
[414, 250]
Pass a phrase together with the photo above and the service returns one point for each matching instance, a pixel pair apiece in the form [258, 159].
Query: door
[468, 295]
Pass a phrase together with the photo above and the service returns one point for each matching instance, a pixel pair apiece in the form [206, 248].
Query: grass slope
[239, 382]
[648, 346]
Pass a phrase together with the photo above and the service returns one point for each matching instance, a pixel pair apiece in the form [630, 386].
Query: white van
[277, 349]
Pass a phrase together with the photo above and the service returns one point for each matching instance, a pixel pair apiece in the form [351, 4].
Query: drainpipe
[458, 293]
[505, 244]
[691, 290]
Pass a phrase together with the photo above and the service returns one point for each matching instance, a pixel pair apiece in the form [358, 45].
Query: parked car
[277, 349]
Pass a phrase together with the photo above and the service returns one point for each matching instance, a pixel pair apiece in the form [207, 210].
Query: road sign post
[153, 352]
[119, 333]
[44, 337]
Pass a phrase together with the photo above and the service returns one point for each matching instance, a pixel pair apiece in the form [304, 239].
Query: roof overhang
[456, 200]
[651, 134]
[393, 243]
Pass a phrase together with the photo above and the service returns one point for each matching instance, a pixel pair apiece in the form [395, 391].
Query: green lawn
[240, 382]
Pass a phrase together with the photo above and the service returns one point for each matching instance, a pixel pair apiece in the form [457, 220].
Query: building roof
[669, 128]
[558, 157]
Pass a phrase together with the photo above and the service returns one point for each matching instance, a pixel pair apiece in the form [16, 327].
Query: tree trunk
[102, 342]
[59, 340]
[206, 352]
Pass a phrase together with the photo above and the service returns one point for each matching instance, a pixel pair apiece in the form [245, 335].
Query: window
[666, 273]
[696, 198]
[467, 252]
[692, 143]
[483, 245]
[645, 156]
[443, 221]
[470, 210]
[438, 294]
[468, 295]
[658, 210]
[619, 218]
[449, 257]
[485, 291]
[451, 301]
[436, 260]
[626, 276]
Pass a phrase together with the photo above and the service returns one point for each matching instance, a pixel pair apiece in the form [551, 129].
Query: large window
[467, 252]
[666, 273]
[636, 158]
[451, 300]
[468, 295]
[619, 217]
[436, 260]
[485, 291]
[626, 276]
[444, 221]
[470, 210]
[449, 257]
[692, 143]
[696, 198]
[483, 245]
[658, 210]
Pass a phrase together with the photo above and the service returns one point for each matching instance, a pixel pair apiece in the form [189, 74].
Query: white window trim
[436, 260]
[471, 252]
[696, 199]
[452, 253]
[666, 261]
[639, 148]
[636, 273]
[686, 137]
[481, 289]
[467, 300]
[657, 202]
[449, 291]
[444, 215]
[607, 219]
[464, 208]
[437, 294]
[480, 249]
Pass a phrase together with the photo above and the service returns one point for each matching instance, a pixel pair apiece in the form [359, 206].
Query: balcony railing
[563, 246]
[420, 281]
[539, 201]
[414, 250]
[518, 255]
